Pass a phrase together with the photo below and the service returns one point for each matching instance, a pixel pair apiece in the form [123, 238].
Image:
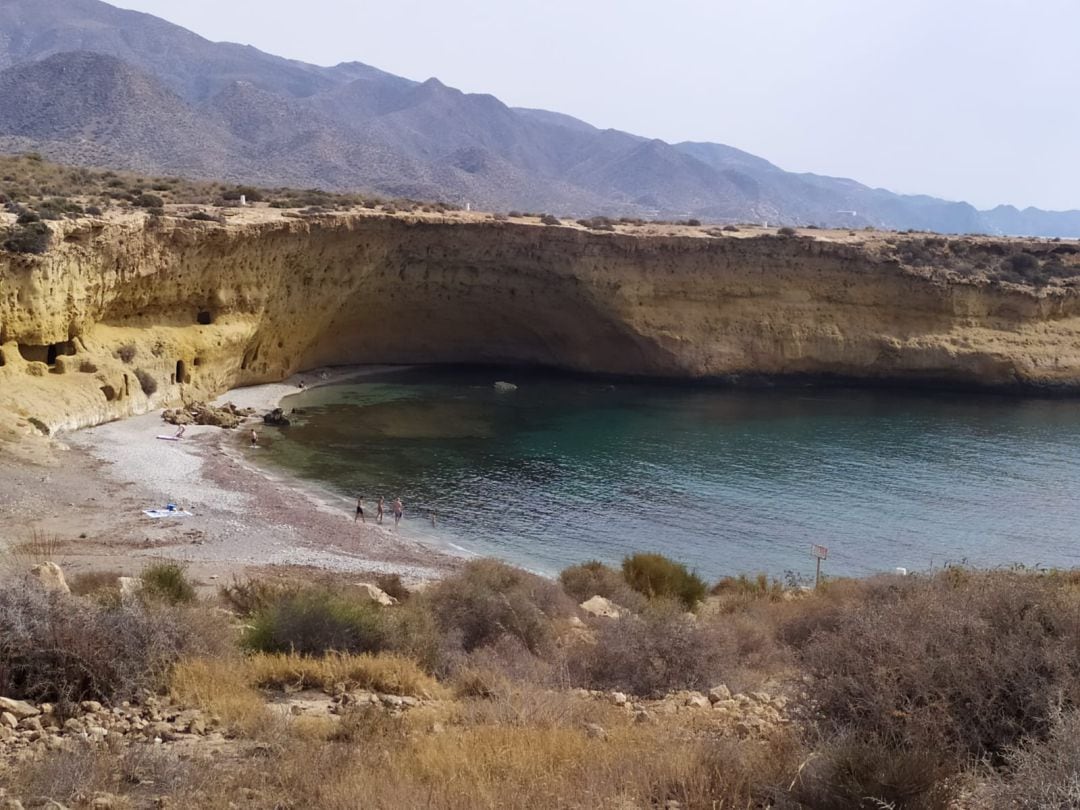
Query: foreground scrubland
[494, 688]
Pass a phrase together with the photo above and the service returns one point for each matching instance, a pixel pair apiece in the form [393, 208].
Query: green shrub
[33, 239]
[548, 219]
[597, 224]
[786, 231]
[488, 599]
[167, 582]
[248, 192]
[148, 201]
[127, 353]
[203, 216]
[654, 575]
[315, 621]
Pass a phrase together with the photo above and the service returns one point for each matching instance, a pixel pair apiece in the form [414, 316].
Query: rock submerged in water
[276, 418]
[505, 387]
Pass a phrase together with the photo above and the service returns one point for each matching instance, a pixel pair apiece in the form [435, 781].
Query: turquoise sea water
[566, 469]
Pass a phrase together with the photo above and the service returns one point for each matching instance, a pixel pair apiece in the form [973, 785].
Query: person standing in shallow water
[399, 510]
[359, 510]
[254, 438]
[379, 509]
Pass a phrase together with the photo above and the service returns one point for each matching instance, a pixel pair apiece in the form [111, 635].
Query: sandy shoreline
[244, 519]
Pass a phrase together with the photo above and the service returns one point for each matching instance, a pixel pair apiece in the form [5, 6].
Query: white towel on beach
[164, 513]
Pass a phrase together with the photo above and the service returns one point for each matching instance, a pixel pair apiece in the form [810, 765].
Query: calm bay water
[564, 470]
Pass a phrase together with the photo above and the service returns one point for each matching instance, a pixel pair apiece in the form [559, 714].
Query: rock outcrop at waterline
[126, 314]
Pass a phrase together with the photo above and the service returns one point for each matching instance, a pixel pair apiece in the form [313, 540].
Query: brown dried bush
[488, 599]
[965, 663]
[661, 650]
[862, 774]
[58, 647]
[593, 578]
[1041, 774]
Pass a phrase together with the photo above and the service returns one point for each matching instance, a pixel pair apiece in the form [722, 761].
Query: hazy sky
[964, 99]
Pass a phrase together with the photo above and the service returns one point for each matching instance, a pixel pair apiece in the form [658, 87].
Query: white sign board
[820, 552]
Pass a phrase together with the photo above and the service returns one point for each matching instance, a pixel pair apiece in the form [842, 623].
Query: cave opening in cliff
[2, 361]
[47, 354]
[109, 392]
[204, 318]
[181, 372]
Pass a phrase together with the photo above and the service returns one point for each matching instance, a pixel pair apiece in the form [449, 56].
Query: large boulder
[276, 418]
[50, 576]
[19, 708]
[603, 608]
[370, 593]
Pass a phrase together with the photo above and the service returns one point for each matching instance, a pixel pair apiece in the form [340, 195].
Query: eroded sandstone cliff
[124, 315]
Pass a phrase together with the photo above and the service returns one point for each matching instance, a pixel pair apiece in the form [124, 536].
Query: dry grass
[388, 673]
[38, 548]
[223, 688]
[94, 582]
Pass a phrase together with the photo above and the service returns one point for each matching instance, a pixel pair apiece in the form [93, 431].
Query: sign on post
[820, 553]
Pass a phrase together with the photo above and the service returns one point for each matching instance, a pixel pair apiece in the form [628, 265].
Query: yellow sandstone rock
[126, 315]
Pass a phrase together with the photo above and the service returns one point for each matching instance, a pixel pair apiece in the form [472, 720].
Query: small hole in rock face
[1, 358]
[109, 392]
[181, 372]
[197, 361]
[204, 318]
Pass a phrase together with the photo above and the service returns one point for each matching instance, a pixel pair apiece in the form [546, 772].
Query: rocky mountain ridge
[85, 82]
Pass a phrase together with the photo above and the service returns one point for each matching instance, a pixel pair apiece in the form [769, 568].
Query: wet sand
[244, 519]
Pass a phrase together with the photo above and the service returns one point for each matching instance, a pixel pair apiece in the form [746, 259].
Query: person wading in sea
[399, 510]
[380, 506]
[359, 510]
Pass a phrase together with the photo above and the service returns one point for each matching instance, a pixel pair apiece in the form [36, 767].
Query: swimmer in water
[399, 510]
[254, 438]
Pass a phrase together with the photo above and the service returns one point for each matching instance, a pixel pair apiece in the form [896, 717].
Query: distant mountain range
[88, 83]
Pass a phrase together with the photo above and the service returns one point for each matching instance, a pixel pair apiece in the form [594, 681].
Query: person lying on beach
[399, 510]
[380, 508]
[359, 510]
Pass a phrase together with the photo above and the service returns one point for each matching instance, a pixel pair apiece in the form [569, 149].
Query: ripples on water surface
[563, 470]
